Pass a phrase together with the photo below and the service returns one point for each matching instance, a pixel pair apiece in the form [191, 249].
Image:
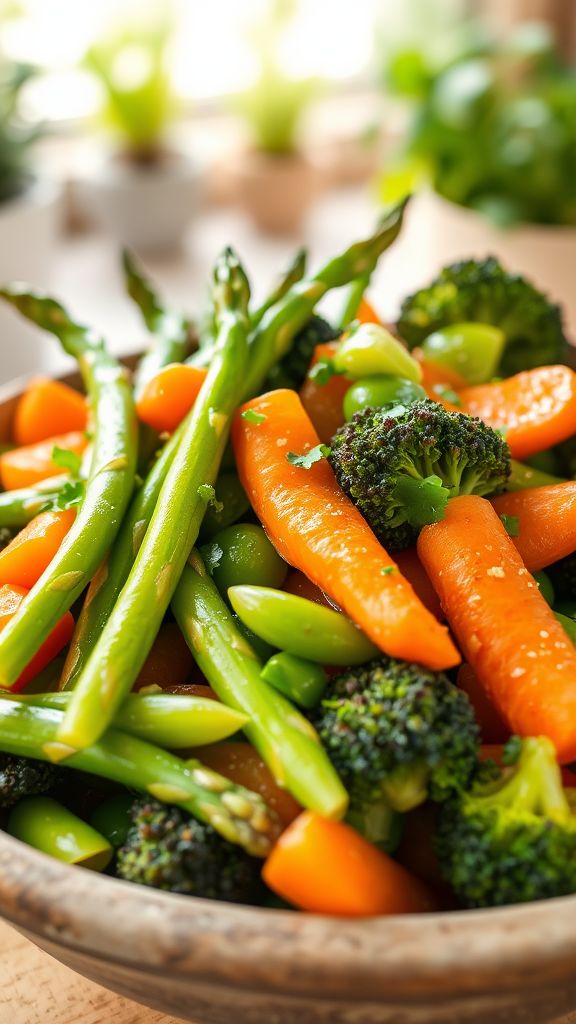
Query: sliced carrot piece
[324, 402]
[26, 557]
[169, 395]
[48, 407]
[11, 598]
[26, 466]
[546, 527]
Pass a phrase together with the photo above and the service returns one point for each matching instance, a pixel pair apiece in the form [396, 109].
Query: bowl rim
[274, 950]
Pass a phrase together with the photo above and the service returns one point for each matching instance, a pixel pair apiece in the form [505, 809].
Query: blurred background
[175, 127]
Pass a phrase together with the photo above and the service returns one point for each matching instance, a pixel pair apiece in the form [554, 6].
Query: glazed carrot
[24, 560]
[511, 638]
[411, 567]
[536, 408]
[169, 395]
[23, 467]
[242, 764]
[169, 662]
[326, 867]
[366, 314]
[492, 728]
[323, 402]
[48, 407]
[10, 599]
[316, 528]
[546, 524]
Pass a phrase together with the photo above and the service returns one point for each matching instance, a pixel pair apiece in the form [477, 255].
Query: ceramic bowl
[214, 963]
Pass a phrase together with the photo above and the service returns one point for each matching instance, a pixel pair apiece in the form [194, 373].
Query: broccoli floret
[513, 840]
[291, 371]
[482, 291]
[168, 849]
[400, 466]
[396, 734]
[21, 776]
[563, 576]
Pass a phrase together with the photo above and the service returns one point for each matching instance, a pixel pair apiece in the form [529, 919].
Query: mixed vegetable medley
[288, 615]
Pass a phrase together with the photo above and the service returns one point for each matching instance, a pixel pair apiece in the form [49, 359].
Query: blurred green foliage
[16, 137]
[493, 123]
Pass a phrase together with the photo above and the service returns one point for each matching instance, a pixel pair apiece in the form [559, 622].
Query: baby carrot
[521, 655]
[324, 402]
[536, 408]
[544, 522]
[169, 395]
[26, 557]
[11, 598]
[318, 530]
[48, 407]
[326, 867]
[26, 466]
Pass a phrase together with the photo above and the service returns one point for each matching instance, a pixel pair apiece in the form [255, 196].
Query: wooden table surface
[35, 989]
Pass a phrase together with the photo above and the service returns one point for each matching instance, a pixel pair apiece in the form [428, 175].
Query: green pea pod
[372, 349]
[301, 627]
[379, 391]
[568, 624]
[243, 554]
[545, 586]
[302, 681]
[471, 350]
[46, 825]
[524, 477]
[230, 504]
[112, 819]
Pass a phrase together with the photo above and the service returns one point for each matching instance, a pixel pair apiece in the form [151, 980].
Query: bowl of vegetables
[287, 629]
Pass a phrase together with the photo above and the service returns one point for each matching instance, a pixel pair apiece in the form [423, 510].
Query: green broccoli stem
[125, 641]
[18, 507]
[294, 273]
[534, 786]
[239, 815]
[108, 487]
[284, 738]
[170, 331]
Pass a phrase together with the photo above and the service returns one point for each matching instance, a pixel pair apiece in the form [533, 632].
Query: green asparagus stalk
[170, 330]
[239, 815]
[187, 489]
[169, 720]
[106, 587]
[18, 507]
[108, 487]
[294, 273]
[284, 738]
[353, 299]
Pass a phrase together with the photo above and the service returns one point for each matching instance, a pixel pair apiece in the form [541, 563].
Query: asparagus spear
[134, 621]
[106, 587]
[354, 298]
[283, 737]
[239, 815]
[170, 330]
[169, 720]
[108, 487]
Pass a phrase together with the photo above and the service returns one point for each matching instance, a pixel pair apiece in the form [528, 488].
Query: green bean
[29, 731]
[108, 487]
[284, 738]
[381, 390]
[302, 681]
[301, 627]
[48, 826]
[243, 554]
[371, 350]
[472, 350]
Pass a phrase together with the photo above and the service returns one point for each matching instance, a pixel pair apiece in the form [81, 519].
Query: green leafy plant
[131, 64]
[493, 123]
[16, 137]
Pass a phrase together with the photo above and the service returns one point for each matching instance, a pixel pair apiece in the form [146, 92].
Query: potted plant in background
[275, 180]
[146, 191]
[492, 130]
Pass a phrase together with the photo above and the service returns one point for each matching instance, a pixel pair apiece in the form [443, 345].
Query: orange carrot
[536, 408]
[24, 560]
[411, 567]
[316, 528]
[10, 599]
[435, 378]
[492, 728]
[26, 466]
[546, 525]
[366, 314]
[242, 764]
[169, 661]
[326, 867]
[48, 407]
[323, 402]
[511, 638]
[169, 396]
[299, 584]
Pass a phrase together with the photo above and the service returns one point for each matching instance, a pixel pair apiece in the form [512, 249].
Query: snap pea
[229, 494]
[381, 390]
[112, 819]
[300, 680]
[243, 554]
[545, 586]
[472, 350]
[301, 627]
[48, 826]
[524, 477]
[370, 350]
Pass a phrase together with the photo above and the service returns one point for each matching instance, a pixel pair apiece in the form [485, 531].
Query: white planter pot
[29, 228]
[439, 232]
[144, 207]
